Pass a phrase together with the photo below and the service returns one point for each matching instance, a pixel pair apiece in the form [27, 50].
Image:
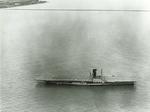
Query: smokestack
[94, 73]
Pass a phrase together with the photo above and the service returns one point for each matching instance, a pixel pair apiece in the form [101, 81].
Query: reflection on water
[71, 43]
[89, 98]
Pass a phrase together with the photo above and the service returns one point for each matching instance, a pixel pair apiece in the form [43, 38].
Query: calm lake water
[71, 43]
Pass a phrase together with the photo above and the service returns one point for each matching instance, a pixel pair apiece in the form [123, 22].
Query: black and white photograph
[74, 56]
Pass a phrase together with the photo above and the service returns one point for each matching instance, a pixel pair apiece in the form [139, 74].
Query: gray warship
[93, 80]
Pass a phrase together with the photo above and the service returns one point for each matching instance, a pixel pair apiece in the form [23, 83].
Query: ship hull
[88, 83]
[82, 81]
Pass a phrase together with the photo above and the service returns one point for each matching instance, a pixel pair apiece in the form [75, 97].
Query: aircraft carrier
[92, 80]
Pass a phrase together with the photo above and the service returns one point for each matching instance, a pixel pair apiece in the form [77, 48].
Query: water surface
[71, 43]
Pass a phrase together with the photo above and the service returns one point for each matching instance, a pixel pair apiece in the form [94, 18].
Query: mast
[101, 72]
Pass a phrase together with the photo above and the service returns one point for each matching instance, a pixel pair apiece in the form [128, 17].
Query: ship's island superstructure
[93, 80]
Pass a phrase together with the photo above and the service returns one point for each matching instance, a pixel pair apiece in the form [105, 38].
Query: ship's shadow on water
[15, 4]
